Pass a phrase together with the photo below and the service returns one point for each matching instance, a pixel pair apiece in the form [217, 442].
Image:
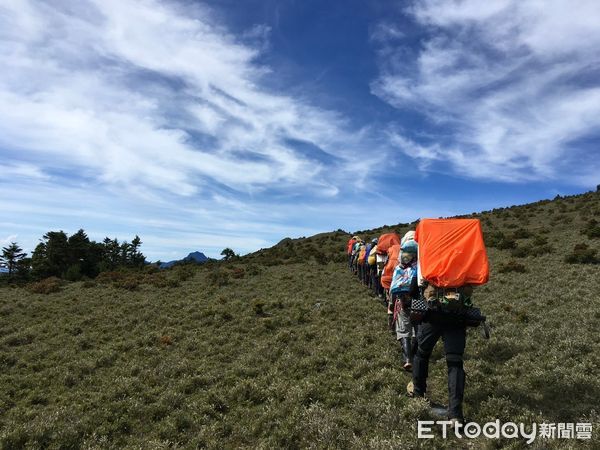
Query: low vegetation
[284, 349]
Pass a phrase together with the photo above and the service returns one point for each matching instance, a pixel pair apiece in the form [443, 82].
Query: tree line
[71, 257]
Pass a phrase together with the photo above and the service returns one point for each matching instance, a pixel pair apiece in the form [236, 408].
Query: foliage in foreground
[283, 348]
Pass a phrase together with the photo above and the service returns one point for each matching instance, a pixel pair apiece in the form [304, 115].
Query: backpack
[392, 262]
[350, 245]
[386, 241]
[402, 278]
[452, 259]
[372, 257]
[363, 254]
[451, 252]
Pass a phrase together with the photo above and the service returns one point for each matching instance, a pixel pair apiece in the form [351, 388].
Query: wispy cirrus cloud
[156, 104]
[154, 93]
[510, 88]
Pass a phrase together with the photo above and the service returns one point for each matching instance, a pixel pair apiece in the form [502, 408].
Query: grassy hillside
[284, 348]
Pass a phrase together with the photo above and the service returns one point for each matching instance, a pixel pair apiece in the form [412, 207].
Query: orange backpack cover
[388, 272]
[385, 241]
[350, 245]
[452, 252]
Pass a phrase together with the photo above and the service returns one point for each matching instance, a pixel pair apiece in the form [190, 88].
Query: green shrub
[494, 238]
[110, 277]
[218, 278]
[184, 272]
[238, 272]
[88, 284]
[582, 254]
[320, 257]
[541, 250]
[520, 251]
[258, 306]
[512, 266]
[73, 273]
[253, 270]
[46, 286]
[538, 247]
[521, 233]
[592, 229]
[160, 280]
[151, 268]
[129, 283]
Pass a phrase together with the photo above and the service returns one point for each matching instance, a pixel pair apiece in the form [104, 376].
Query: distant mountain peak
[196, 256]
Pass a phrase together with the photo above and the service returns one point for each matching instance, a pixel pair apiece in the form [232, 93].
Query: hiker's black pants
[375, 284]
[373, 278]
[454, 338]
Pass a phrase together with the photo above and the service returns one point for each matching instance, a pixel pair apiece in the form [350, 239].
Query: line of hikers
[420, 311]
[369, 261]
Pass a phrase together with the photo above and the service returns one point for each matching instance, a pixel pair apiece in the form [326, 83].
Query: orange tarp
[385, 241]
[350, 245]
[388, 272]
[362, 255]
[452, 252]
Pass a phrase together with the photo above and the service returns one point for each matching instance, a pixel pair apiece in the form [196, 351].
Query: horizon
[200, 125]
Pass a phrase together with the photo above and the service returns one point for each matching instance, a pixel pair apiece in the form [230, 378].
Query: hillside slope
[284, 348]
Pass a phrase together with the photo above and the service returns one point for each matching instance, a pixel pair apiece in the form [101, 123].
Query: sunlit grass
[284, 348]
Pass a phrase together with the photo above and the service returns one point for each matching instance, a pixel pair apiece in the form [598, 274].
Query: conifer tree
[51, 256]
[11, 256]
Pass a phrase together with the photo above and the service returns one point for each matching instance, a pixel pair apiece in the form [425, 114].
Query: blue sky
[208, 124]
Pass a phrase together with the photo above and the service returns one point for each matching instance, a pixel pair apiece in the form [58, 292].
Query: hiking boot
[456, 422]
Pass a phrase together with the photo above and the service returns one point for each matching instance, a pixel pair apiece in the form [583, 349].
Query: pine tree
[112, 254]
[136, 258]
[51, 256]
[12, 255]
[78, 251]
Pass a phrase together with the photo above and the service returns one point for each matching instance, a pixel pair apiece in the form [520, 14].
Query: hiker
[381, 259]
[404, 289]
[355, 250]
[454, 337]
[384, 243]
[452, 259]
[351, 243]
[393, 254]
[362, 261]
[359, 265]
[372, 266]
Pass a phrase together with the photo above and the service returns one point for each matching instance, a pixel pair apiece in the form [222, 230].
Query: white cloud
[21, 170]
[118, 89]
[129, 117]
[512, 86]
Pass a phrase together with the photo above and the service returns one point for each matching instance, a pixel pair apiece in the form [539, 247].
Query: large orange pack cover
[385, 241]
[388, 271]
[350, 245]
[452, 252]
